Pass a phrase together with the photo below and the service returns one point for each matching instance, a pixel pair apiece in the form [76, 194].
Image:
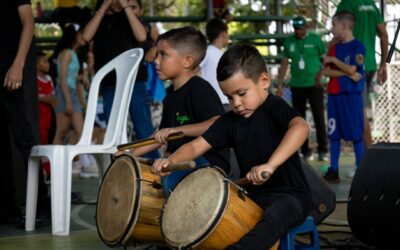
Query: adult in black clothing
[191, 104]
[114, 29]
[265, 133]
[18, 94]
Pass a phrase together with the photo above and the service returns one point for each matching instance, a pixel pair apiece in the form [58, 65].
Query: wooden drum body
[129, 204]
[205, 211]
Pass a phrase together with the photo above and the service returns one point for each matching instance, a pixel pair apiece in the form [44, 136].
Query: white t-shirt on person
[209, 70]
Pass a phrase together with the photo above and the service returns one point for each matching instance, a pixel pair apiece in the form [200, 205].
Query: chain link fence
[385, 107]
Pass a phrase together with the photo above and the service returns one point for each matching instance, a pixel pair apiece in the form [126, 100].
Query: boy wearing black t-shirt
[191, 104]
[265, 133]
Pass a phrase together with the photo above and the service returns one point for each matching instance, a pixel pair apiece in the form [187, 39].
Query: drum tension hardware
[241, 190]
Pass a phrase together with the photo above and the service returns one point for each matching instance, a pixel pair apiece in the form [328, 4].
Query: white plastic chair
[61, 156]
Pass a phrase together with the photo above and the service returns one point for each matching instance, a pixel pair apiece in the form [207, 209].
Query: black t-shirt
[254, 139]
[11, 27]
[113, 37]
[196, 101]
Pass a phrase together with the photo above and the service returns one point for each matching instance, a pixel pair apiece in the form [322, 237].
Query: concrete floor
[334, 232]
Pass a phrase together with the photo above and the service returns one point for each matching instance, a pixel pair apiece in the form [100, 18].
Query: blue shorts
[345, 117]
[60, 107]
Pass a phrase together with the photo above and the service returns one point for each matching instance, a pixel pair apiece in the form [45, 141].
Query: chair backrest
[126, 66]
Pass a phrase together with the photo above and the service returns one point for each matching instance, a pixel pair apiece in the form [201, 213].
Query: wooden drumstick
[149, 141]
[244, 181]
[186, 165]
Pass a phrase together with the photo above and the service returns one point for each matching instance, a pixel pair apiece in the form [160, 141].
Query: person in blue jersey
[344, 64]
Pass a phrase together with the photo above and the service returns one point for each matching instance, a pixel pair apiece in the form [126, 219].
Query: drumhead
[118, 200]
[194, 208]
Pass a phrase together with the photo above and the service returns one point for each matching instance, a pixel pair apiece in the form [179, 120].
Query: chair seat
[45, 150]
[308, 226]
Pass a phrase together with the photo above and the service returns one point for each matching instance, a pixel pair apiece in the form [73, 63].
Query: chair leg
[61, 177]
[102, 162]
[32, 193]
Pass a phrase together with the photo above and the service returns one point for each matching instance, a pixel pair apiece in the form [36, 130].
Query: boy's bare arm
[337, 73]
[346, 68]
[191, 130]
[333, 72]
[186, 152]
[294, 137]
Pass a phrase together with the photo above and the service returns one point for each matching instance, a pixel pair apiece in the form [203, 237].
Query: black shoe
[332, 176]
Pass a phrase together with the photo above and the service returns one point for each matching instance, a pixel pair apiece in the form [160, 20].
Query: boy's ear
[188, 62]
[264, 80]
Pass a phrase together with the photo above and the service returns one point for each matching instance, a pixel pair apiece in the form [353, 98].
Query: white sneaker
[90, 171]
[76, 167]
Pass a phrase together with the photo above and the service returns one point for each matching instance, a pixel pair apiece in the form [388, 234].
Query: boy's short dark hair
[346, 16]
[214, 27]
[243, 58]
[187, 40]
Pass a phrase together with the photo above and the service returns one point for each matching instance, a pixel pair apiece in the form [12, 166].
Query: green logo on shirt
[182, 118]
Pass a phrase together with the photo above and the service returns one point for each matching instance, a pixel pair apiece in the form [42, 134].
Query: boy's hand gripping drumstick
[149, 141]
[186, 165]
[244, 181]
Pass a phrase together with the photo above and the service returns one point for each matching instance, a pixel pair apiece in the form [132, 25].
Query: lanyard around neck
[301, 48]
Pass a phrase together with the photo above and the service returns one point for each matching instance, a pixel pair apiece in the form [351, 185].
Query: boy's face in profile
[244, 95]
[225, 35]
[42, 64]
[337, 28]
[169, 62]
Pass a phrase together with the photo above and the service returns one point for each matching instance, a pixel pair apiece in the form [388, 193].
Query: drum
[129, 204]
[206, 211]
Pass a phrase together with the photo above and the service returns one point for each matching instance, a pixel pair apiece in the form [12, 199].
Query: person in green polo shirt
[369, 24]
[305, 50]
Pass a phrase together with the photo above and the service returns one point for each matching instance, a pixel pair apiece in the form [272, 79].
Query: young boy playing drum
[191, 104]
[265, 134]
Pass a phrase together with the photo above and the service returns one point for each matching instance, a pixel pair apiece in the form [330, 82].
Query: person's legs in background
[108, 93]
[8, 208]
[367, 127]
[139, 111]
[299, 99]
[316, 99]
